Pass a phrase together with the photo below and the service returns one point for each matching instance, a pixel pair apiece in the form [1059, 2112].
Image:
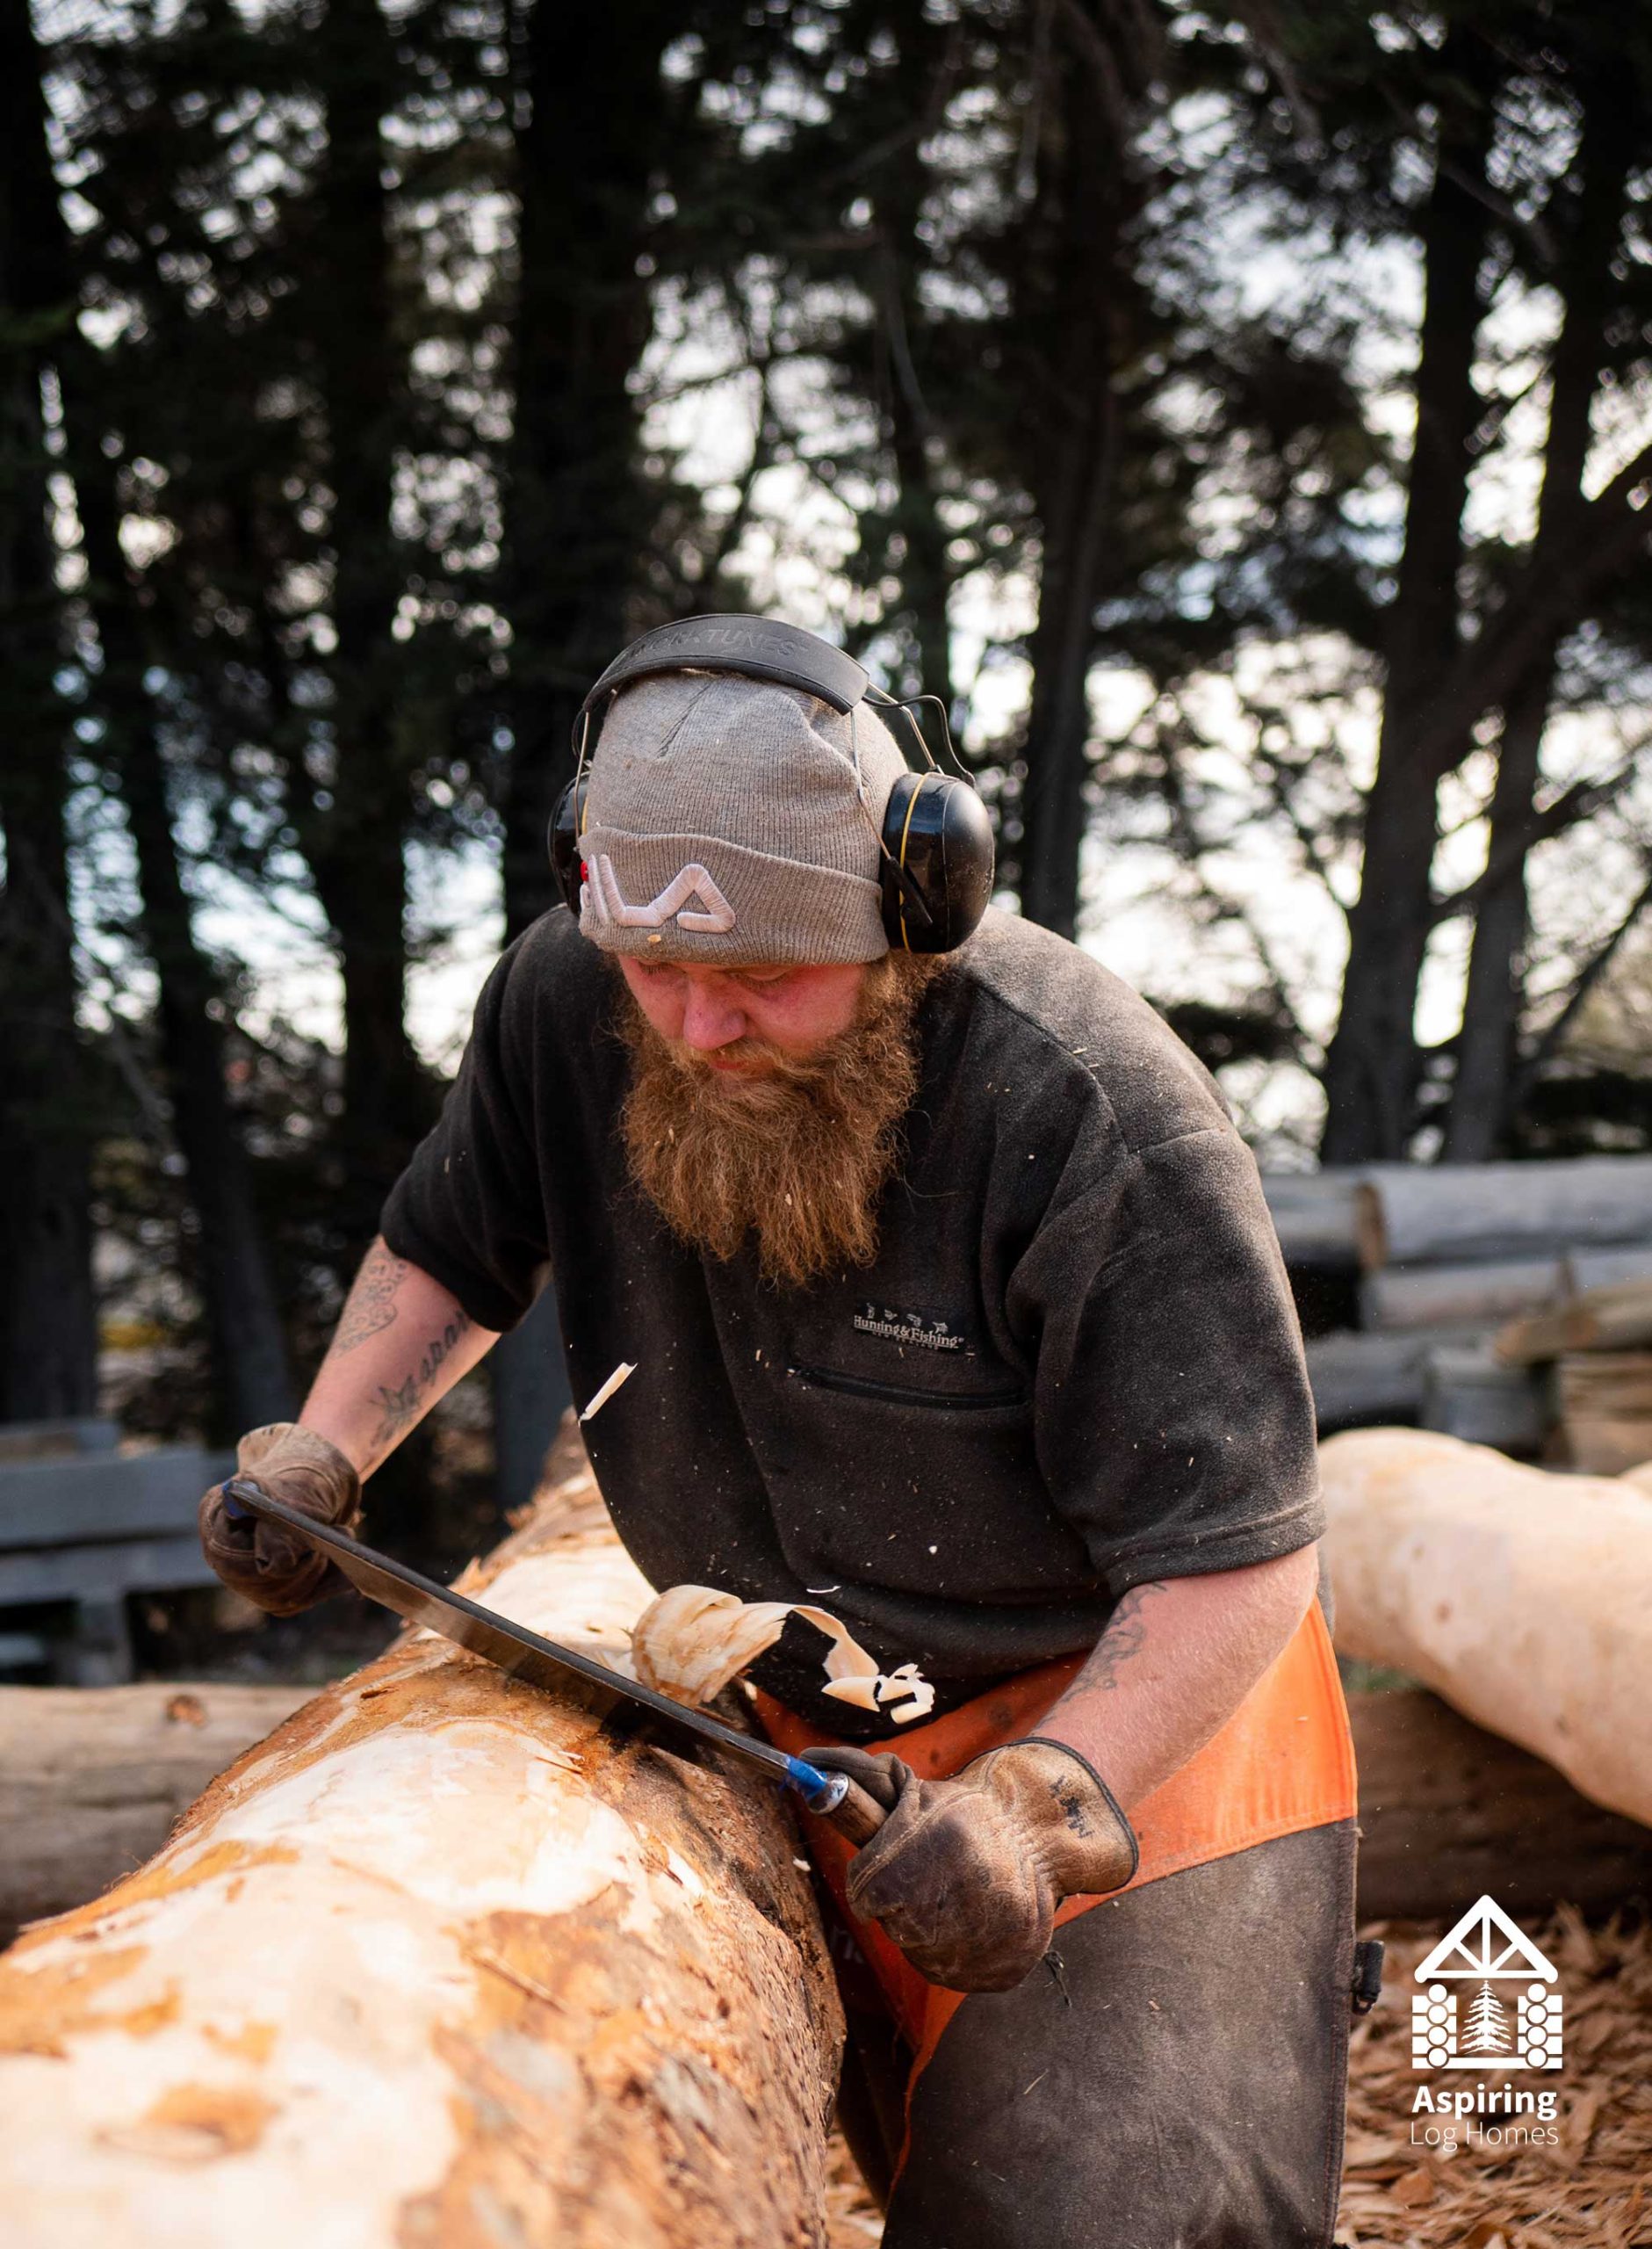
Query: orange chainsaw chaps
[1283, 1762]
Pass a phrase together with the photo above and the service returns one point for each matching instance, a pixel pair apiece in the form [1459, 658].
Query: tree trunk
[903, 183]
[49, 1314]
[1486, 1049]
[355, 842]
[445, 1959]
[1523, 1599]
[1074, 296]
[252, 1382]
[578, 508]
[49, 1328]
[1372, 1067]
[92, 1779]
[1492, 994]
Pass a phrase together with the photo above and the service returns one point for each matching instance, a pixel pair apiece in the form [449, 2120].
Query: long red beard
[798, 1156]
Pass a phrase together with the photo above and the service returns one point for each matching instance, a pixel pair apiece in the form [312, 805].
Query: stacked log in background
[1595, 1344]
[1425, 1268]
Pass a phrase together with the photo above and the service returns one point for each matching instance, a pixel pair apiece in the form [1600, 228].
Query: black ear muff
[565, 823]
[937, 840]
[938, 861]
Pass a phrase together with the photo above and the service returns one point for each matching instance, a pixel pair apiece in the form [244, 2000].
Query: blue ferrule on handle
[236, 1509]
[820, 1791]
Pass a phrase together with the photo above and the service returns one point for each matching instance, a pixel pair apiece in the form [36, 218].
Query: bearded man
[954, 1304]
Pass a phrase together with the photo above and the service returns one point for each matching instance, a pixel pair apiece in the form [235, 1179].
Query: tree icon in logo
[1488, 2031]
[1490, 1950]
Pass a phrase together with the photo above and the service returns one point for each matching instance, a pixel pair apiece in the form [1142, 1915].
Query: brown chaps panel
[1172, 2077]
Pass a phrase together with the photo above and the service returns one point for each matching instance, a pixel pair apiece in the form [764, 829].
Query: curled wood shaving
[690, 1641]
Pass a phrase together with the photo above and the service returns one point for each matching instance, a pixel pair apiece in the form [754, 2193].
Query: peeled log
[1523, 1599]
[1435, 1296]
[1438, 1213]
[444, 1962]
[1605, 1269]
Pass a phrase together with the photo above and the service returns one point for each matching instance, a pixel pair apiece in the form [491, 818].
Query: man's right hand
[274, 1567]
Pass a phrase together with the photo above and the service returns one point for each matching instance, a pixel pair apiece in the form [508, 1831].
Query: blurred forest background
[1241, 417]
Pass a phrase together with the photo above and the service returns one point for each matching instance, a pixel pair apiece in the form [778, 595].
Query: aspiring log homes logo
[1488, 1999]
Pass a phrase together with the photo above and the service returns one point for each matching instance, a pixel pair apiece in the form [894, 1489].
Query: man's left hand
[966, 1874]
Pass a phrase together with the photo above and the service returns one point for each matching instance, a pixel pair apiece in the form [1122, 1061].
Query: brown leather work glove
[966, 1874]
[270, 1566]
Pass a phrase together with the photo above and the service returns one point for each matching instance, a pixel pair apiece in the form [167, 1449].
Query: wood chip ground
[1592, 2191]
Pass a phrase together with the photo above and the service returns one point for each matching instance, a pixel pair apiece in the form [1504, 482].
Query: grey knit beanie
[728, 821]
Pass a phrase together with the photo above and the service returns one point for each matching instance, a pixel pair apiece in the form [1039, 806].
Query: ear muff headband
[936, 840]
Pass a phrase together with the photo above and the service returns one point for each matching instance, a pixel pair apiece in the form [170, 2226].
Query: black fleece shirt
[1073, 1367]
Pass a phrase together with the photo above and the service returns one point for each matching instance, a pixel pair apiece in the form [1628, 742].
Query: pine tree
[1488, 2030]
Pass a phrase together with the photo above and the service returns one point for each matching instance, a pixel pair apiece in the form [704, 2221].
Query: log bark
[1419, 1214]
[1470, 1394]
[1360, 1378]
[444, 1962]
[92, 1778]
[1431, 1296]
[1523, 1599]
[1448, 1810]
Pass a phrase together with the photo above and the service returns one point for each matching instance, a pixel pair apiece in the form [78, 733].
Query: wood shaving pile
[1592, 2191]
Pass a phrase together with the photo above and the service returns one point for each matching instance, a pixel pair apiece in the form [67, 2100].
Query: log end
[1370, 1230]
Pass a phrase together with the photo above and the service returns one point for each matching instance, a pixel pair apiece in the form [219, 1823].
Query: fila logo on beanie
[748, 817]
[601, 893]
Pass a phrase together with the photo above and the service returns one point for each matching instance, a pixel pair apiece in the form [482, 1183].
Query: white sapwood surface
[443, 1963]
[1523, 1598]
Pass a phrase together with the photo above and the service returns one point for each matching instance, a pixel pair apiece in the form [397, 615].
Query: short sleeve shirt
[1073, 1365]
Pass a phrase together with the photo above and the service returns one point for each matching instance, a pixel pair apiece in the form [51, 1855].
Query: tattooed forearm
[402, 1403]
[370, 1306]
[442, 1347]
[1125, 1637]
[401, 1409]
